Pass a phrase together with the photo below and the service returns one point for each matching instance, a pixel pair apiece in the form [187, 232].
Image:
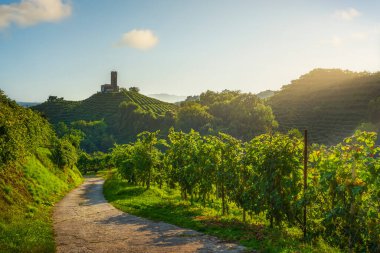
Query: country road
[85, 222]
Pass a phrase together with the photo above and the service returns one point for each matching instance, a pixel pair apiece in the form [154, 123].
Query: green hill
[99, 106]
[265, 94]
[330, 103]
[118, 115]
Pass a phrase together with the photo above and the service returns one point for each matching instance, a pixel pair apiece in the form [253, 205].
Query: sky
[69, 48]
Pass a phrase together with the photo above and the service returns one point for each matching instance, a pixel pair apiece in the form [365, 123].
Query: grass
[27, 195]
[166, 205]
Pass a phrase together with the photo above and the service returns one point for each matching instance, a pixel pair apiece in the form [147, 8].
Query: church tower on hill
[107, 88]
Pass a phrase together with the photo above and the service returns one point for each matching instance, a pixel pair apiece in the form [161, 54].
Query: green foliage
[140, 163]
[374, 110]
[194, 116]
[106, 118]
[277, 164]
[263, 177]
[166, 205]
[30, 179]
[146, 156]
[181, 159]
[95, 136]
[94, 162]
[345, 192]
[21, 131]
[30, 190]
[64, 153]
[122, 159]
[242, 115]
[330, 103]
[134, 89]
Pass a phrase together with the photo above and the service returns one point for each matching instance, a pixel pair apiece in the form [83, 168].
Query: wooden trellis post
[305, 160]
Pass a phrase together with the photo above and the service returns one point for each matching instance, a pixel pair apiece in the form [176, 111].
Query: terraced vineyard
[331, 104]
[150, 104]
[104, 121]
[100, 106]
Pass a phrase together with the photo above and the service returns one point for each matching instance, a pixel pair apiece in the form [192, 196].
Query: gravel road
[85, 222]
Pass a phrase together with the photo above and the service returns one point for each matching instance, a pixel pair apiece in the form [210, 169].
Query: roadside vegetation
[166, 205]
[36, 169]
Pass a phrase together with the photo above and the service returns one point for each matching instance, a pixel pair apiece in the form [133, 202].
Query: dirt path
[85, 222]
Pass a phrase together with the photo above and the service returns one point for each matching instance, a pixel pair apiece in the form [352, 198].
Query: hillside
[99, 106]
[31, 178]
[118, 115]
[330, 103]
[265, 94]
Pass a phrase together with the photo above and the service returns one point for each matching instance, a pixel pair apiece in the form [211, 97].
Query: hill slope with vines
[105, 118]
[330, 103]
[98, 106]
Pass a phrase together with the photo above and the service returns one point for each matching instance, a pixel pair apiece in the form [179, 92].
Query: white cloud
[31, 12]
[139, 39]
[347, 14]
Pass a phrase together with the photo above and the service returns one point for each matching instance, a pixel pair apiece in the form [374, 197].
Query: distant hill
[28, 104]
[124, 115]
[265, 94]
[168, 97]
[330, 103]
[99, 106]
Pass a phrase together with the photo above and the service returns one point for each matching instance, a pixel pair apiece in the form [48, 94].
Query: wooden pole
[305, 160]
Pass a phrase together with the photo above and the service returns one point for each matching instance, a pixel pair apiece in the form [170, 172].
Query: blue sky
[68, 48]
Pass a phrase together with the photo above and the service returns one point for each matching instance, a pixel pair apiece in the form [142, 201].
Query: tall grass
[27, 195]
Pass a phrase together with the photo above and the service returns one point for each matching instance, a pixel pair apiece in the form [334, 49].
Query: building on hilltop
[107, 88]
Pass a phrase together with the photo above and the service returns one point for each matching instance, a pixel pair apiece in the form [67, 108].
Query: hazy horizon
[68, 48]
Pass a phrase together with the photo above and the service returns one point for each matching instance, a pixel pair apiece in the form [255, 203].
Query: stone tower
[114, 78]
[107, 88]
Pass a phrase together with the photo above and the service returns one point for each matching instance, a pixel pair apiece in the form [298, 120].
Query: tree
[134, 89]
[64, 153]
[194, 116]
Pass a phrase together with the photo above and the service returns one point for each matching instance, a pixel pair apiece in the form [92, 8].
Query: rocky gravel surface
[85, 222]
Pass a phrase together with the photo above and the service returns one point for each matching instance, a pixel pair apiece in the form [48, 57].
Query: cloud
[31, 12]
[347, 14]
[139, 39]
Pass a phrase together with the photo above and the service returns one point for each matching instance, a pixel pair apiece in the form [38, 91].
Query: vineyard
[330, 103]
[106, 118]
[263, 178]
[99, 106]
